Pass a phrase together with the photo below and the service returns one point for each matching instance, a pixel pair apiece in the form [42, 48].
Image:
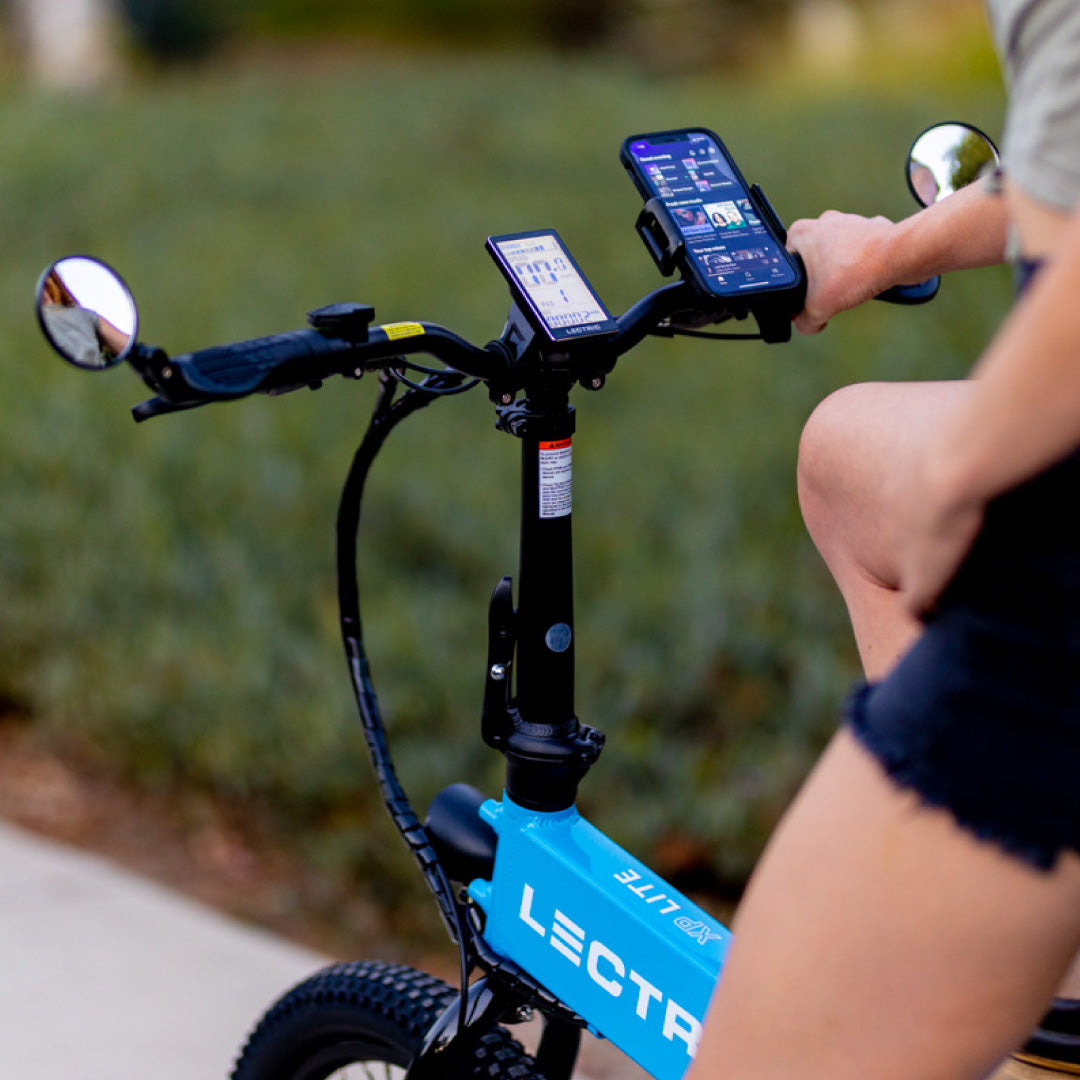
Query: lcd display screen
[542, 273]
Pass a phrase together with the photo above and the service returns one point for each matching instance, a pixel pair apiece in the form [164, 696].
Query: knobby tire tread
[364, 1011]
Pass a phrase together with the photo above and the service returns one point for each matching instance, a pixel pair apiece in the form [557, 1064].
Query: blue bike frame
[601, 931]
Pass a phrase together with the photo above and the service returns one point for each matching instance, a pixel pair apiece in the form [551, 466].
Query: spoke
[368, 1070]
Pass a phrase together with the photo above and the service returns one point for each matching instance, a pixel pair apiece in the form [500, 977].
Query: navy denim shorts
[982, 715]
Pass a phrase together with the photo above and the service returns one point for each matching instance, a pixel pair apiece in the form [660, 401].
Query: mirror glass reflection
[87, 312]
[947, 157]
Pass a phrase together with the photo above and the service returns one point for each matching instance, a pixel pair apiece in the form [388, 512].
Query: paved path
[106, 976]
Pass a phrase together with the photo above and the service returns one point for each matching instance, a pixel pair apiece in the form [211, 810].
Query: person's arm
[113, 337]
[1022, 416]
[850, 259]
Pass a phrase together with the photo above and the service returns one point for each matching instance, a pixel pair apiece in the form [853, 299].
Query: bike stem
[545, 622]
[548, 751]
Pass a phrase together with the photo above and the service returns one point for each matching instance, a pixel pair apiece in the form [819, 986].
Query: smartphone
[732, 245]
[549, 288]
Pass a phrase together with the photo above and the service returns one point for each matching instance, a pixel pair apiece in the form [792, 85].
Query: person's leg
[879, 941]
[1052, 1050]
[850, 450]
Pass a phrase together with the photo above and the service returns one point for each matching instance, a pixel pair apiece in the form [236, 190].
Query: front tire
[360, 1020]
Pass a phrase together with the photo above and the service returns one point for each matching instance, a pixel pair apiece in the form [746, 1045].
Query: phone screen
[724, 236]
[539, 268]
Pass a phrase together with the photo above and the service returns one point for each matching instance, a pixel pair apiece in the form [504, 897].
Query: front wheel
[367, 1019]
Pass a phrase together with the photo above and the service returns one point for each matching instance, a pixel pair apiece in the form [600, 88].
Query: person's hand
[934, 534]
[845, 263]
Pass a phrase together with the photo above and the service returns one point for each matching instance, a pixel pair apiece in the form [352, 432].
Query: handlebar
[289, 361]
[340, 342]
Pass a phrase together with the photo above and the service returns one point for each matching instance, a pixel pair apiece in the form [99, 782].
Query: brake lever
[156, 406]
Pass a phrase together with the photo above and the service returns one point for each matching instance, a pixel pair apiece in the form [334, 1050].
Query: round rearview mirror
[86, 312]
[947, 157]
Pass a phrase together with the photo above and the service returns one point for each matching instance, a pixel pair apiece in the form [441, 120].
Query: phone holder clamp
[665, 243]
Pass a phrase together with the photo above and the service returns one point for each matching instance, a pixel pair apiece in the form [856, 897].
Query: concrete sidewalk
[106, 976]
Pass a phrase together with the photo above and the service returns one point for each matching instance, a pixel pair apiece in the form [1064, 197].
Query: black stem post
[545, 617]
[547, 750]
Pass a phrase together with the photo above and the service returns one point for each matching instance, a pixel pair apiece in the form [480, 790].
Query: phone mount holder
[772, 311]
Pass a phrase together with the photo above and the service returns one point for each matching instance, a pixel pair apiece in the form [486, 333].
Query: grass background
[167, 593]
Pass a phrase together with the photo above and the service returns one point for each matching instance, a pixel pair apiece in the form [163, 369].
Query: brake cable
[707, 334]
[386, 415]
[427, 386]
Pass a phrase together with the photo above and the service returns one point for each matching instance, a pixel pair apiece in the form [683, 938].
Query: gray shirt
[1039, 45]
[74, 331]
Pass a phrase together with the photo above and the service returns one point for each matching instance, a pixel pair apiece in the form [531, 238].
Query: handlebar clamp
[661, 235]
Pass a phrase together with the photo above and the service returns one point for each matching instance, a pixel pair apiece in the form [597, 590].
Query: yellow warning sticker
[395, 330]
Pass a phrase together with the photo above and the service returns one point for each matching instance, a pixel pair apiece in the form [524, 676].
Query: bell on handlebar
[947, 157]
[87, 312]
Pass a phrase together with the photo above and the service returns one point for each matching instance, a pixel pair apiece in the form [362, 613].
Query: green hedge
[167, 589]
[175, 28]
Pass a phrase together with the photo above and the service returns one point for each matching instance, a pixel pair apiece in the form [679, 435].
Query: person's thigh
[879, 940]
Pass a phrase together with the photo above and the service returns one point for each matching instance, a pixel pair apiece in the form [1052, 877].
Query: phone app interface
[723, 234]
[558, 292]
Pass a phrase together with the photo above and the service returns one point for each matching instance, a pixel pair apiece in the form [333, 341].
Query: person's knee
[824, 459]
[852, 445]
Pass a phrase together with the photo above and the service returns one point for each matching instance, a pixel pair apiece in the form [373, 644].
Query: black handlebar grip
[284, 360]
[921, 293]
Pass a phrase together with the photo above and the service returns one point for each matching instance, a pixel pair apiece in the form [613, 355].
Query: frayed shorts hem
[990, 803]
